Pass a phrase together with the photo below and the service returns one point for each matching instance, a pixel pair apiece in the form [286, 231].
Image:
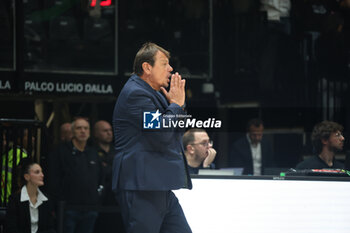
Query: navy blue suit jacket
[241, 155]
[146, 159]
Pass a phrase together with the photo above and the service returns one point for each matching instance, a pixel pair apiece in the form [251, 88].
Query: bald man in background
[103, 139]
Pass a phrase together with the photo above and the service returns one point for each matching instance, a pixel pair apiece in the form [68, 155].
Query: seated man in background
[252, 152]
[327, 139]
[198, 150]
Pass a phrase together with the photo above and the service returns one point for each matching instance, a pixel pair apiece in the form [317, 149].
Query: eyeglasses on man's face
[338, 134]
[205, 144]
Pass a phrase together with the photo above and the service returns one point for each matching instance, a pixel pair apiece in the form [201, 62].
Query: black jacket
[241, 155]
[75, 176]
[18, 216]
[315, 162]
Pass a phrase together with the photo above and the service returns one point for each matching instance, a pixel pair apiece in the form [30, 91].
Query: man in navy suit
[251, 151]
[149, 163]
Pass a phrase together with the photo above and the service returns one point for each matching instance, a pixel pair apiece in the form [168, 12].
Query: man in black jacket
[103, 138]
[75, 177]
[252, 152]
[327, 139]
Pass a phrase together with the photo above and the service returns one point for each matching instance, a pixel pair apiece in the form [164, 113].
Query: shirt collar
[248, 138]
[250, 141]
[25, 197]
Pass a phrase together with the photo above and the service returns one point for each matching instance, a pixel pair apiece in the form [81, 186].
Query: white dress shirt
[33, 209]
[256, 156]
[276, 8]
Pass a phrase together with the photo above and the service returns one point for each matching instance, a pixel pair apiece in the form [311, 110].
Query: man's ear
[146, 68]
[189, 148]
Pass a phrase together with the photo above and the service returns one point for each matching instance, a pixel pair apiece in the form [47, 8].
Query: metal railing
[19, 138]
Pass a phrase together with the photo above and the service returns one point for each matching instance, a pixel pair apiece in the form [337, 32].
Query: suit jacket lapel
[162, 100]
[249, 157]
[249, 153]
[26, 214]
[42, 217]
[263, 153]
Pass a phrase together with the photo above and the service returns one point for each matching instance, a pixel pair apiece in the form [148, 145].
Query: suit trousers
[152, 212]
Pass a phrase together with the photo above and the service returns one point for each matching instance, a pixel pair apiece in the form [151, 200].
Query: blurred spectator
[103, 135]
[76, 178]
[198, 150]
[327, 139]
[66, 132]
[29, 210]
[252, 152]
